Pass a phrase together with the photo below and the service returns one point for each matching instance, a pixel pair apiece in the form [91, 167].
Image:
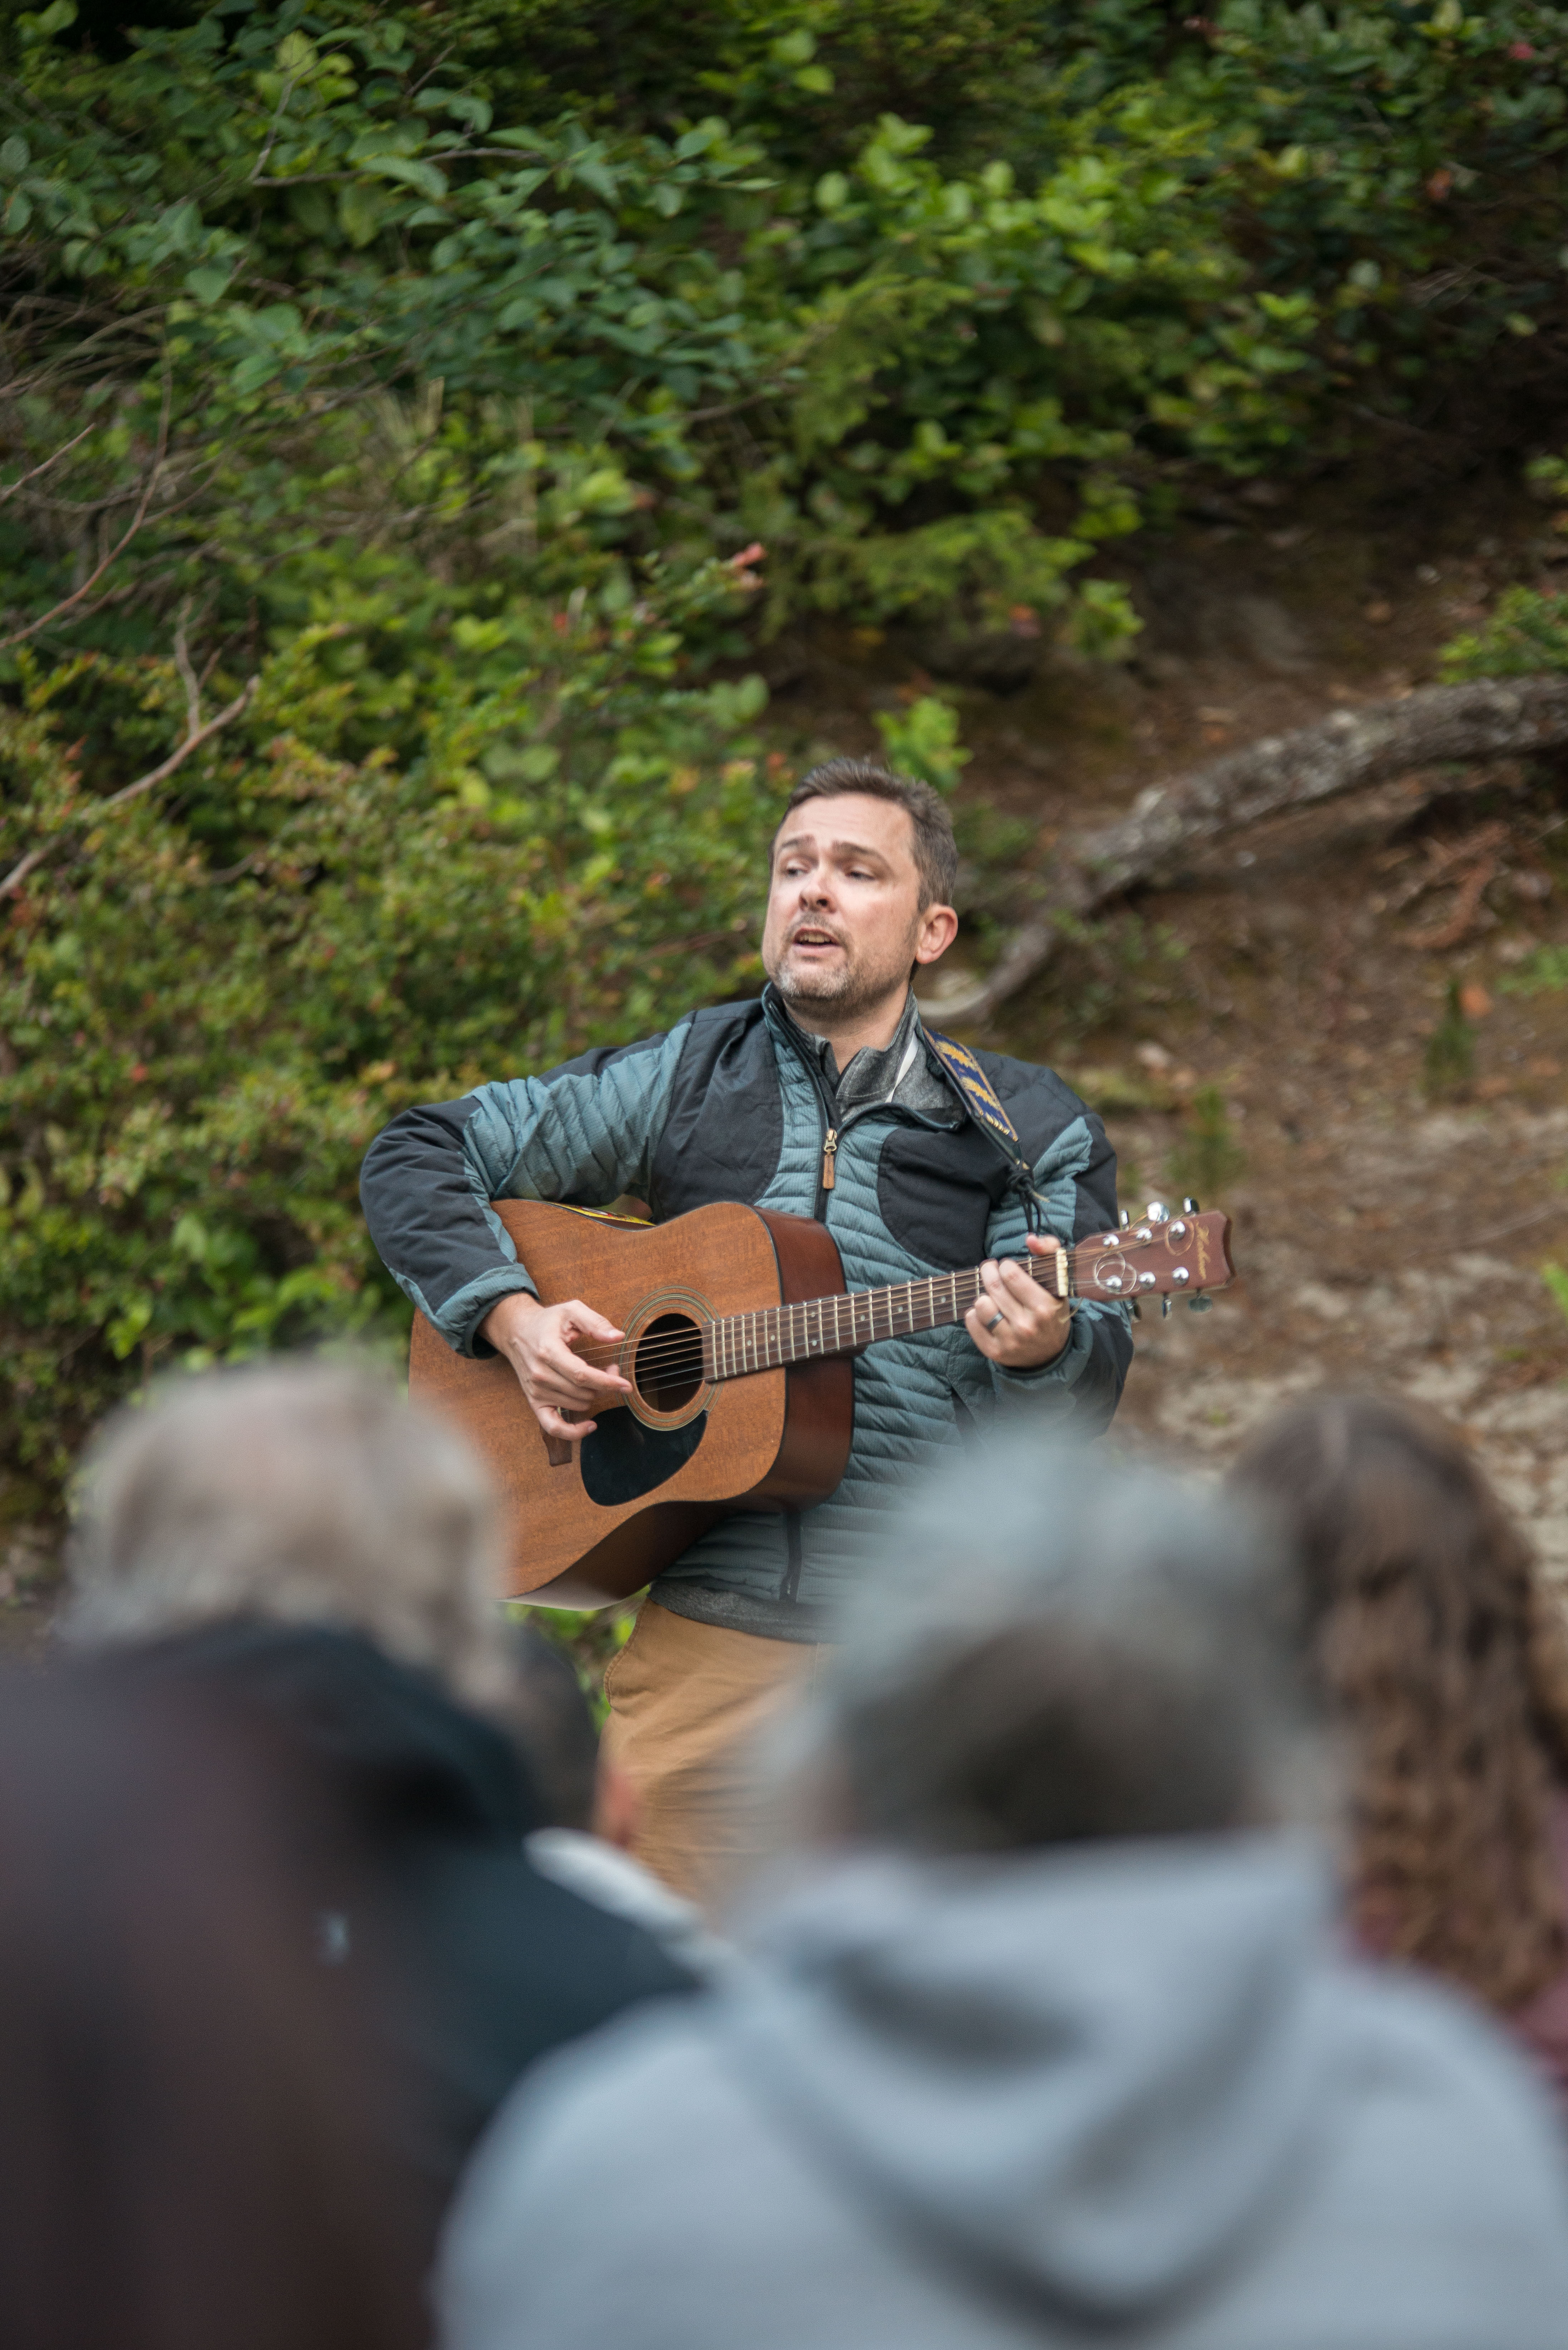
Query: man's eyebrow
[836, 848]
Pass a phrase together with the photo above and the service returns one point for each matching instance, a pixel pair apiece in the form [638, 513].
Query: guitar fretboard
[778, 1335]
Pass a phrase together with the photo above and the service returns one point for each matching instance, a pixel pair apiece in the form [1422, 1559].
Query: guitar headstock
[1158, 1254]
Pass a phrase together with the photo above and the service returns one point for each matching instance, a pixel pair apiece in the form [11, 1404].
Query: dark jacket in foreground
[734, 1104]
[504, 1963]
[1115, 2094]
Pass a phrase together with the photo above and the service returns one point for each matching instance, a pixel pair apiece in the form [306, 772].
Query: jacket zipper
[832, 1136]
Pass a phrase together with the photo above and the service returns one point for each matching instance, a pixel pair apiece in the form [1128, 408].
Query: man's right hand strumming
[537, 1341]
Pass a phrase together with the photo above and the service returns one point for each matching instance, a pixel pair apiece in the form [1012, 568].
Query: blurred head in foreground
[1091, 1651]
[195, 2142]
[1047, 2033]
[297, 1493]
[296, 1541]
[1433, 1641]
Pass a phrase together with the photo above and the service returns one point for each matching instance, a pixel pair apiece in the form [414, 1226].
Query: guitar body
[592, 1522]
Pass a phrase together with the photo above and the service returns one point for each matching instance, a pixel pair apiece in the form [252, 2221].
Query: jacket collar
[904, 1071]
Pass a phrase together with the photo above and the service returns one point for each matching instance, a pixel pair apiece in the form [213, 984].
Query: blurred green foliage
[1208, 1157]
[485, 380]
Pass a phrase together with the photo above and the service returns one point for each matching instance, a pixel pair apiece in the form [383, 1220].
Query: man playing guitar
[825, 1098]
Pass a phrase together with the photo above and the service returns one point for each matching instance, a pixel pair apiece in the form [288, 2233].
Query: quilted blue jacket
[732, 1103]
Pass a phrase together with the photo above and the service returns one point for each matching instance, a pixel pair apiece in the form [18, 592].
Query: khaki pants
[686, 1701]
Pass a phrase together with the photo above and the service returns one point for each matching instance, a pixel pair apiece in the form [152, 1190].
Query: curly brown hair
[1440, 1650]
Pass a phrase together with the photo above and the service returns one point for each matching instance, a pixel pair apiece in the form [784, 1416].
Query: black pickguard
[622, 1459]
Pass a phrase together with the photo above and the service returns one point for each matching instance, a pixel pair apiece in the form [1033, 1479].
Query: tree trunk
[1491, 718]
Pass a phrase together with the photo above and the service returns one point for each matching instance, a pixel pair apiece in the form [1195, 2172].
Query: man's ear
[938, 930]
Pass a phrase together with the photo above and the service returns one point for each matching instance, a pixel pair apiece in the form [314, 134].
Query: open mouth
[814, 938]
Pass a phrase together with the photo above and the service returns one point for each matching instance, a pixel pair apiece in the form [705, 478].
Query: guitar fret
[769, 1337]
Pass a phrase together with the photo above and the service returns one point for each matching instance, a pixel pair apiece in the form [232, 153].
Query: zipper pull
[829, 1147]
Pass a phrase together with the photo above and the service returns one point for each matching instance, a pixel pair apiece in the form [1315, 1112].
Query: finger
[555, 1397]
[1018, 1293]
[975, 1322]
[995, 1297]
[587, 1323]
[557, 1360]
[554, 1424]
[1041, 1243]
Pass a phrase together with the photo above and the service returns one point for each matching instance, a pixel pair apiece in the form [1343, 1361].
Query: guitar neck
[779, 1335]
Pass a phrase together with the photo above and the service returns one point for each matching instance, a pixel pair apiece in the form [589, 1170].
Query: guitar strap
[979, 1099]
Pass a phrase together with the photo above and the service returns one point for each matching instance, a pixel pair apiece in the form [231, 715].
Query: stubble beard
[849, 989]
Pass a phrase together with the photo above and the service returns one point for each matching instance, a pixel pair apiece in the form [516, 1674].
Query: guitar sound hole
[666, 1370]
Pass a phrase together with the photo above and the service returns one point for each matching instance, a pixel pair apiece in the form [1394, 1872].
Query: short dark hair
[936, 850]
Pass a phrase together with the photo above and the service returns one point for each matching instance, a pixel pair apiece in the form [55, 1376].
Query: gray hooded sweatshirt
[1127, 2095]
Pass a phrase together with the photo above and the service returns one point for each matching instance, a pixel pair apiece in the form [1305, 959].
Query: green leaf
[361, 211]
[207, 285]
[54, 19]
[14, 155]
[430, 182]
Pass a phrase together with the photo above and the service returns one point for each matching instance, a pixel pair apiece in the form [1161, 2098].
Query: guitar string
[653, 1352]
[688, 1343]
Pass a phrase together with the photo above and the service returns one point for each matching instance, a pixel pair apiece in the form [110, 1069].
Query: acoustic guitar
[738, 1338]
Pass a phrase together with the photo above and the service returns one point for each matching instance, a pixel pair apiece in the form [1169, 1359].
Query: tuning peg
[1123, 1219]
[1165, 1309]
[1157, 1213]
[1199, 1304]
[1136, 1311]
[1189, 1207]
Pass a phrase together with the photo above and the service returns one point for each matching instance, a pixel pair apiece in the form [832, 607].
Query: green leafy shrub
[209, 1006]
[447, 370]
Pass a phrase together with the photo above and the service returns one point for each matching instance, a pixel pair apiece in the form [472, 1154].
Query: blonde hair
[299, 1493]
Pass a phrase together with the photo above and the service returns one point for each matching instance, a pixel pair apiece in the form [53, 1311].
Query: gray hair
[300, 1493]
[1058, 1645]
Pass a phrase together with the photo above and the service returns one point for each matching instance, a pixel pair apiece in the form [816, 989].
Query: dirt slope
[1390, 1218]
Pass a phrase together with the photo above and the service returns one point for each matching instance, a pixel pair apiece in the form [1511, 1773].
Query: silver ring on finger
[996, 1323]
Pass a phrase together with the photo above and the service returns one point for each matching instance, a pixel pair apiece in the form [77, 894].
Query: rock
[1001, 660]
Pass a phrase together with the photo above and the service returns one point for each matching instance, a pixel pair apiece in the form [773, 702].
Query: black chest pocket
[724, 1133]
[937, 1191]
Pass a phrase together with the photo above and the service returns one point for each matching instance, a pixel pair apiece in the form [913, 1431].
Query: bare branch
[273, 128]
[138, 518]
[1491, 718]
[188, 677]
[226, 717]
[193, 742]
[11, 488]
